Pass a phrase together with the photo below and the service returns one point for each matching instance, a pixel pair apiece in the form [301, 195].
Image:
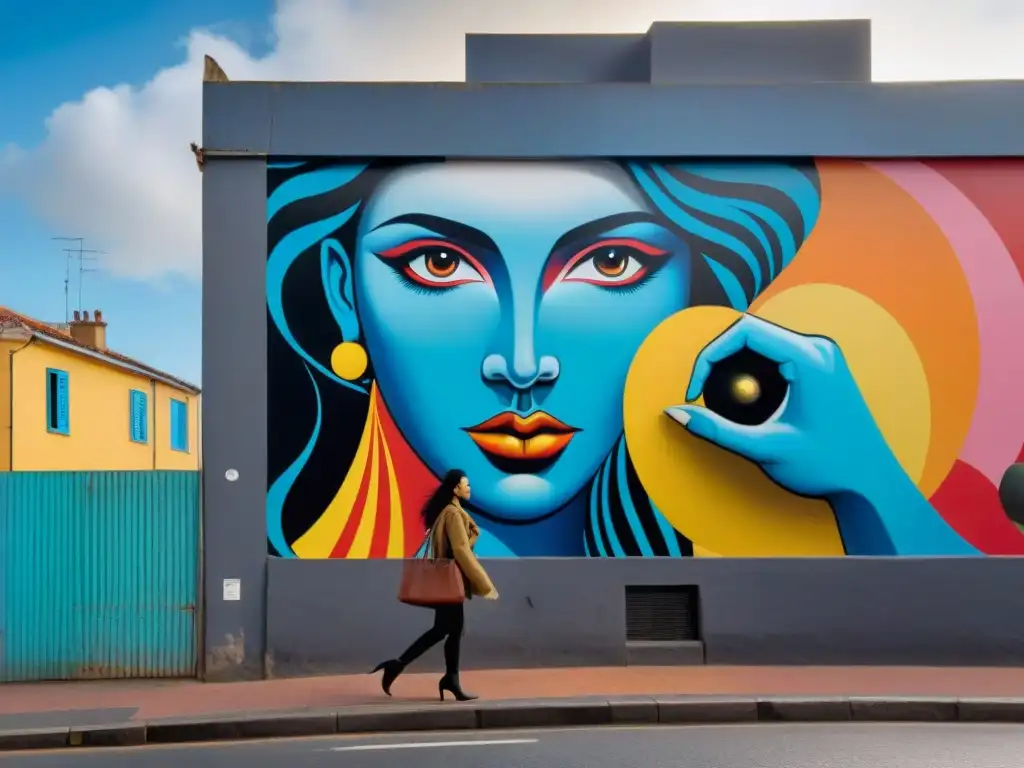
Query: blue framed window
[57, 407]
[179, 425]
[138, 405]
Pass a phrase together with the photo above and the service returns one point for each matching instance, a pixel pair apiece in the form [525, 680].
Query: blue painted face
[501, 304]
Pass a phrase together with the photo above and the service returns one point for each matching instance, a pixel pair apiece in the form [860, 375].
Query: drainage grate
[661, 614]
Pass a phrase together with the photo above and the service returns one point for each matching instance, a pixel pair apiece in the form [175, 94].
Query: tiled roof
[11, 319]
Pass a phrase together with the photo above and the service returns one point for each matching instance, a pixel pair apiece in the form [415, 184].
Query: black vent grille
[661, 614]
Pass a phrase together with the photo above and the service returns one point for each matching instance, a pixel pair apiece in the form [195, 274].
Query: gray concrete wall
[615, 120]
[557, 59]
[234, 415]
[341, 615]
[562, 612]
[770, 52]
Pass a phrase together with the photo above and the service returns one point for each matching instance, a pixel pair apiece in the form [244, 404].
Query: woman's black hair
[441, 497]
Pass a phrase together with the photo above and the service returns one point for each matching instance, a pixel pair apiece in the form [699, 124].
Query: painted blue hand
[821, 442]
[822, 439]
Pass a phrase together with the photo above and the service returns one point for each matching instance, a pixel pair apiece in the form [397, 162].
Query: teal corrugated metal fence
[98, 574]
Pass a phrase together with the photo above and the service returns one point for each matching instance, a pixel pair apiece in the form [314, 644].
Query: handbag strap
[428, 542]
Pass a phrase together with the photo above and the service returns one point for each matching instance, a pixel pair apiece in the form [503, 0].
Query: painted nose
[524, 373]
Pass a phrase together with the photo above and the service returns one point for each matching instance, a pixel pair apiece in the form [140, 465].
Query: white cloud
[115, 165]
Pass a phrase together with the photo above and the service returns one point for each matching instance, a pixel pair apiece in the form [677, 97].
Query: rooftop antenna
[68, 255]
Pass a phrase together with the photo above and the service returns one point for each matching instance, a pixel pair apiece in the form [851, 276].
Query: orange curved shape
[873, 238]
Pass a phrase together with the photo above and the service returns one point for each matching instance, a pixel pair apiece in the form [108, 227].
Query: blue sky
[55, 51]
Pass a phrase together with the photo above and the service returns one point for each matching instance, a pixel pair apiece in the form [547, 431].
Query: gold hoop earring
[349, 360]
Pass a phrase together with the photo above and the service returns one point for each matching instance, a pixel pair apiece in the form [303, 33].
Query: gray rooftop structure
[679, 53]
[697, 90]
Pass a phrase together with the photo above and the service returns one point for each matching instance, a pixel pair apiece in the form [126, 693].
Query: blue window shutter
[179, 425]
[51, 393]
[133, 414]
[144, 416]
[139, 416]
[63, 408]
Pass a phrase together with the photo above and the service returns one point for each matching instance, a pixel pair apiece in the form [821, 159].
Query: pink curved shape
[997, 428]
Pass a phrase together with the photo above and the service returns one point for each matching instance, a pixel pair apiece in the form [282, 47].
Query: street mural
[637, 358]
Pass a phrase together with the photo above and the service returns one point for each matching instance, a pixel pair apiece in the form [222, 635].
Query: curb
[525, 713]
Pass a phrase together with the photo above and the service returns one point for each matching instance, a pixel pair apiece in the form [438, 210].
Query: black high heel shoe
[451, 684]
[392, 669]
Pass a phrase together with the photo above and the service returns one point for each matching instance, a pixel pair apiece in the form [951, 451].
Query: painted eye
[435, 264]
[615, 263]
[612, 264]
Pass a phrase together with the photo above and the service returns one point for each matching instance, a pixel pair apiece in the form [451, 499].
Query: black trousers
[449, 623]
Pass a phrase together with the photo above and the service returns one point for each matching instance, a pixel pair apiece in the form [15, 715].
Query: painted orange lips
[510, 439]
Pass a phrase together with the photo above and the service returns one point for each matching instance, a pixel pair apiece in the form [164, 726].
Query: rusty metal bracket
[199, 155]
[212, 72]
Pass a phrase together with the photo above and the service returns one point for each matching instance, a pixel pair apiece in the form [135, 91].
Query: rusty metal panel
[98, 574]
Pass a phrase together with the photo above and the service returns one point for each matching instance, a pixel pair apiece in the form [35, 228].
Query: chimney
[91, 333]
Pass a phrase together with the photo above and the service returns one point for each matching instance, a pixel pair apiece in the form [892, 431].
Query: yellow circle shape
[724, 503]
[699, 551]
[349, 360]
[720, 501]
[881, 357]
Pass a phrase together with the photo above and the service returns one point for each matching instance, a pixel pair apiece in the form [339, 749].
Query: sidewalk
[46, 705]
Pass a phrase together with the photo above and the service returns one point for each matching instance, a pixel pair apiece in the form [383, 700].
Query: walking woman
[452, 535]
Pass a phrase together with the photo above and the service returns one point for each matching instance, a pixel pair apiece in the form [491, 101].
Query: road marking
[427, 744]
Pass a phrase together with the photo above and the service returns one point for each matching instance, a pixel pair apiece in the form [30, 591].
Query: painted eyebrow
[446, 228]
[598, 227]
[562, 251]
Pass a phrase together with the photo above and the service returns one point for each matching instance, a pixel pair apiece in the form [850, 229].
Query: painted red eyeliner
[420, 244]
[557, 272]
[411, 247]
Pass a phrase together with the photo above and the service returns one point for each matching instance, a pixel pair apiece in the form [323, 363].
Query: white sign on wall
[232, 589]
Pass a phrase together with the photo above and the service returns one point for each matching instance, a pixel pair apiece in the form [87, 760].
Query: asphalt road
[740, 746]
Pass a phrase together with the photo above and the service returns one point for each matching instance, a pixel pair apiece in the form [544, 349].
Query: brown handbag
[429, 580]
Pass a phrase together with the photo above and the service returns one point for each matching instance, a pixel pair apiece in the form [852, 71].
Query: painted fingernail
[680, 415]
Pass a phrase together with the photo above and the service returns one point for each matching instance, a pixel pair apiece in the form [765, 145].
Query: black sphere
[745, 388]
[1011, 493]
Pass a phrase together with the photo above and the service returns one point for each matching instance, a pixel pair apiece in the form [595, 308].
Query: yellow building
[69, 403]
